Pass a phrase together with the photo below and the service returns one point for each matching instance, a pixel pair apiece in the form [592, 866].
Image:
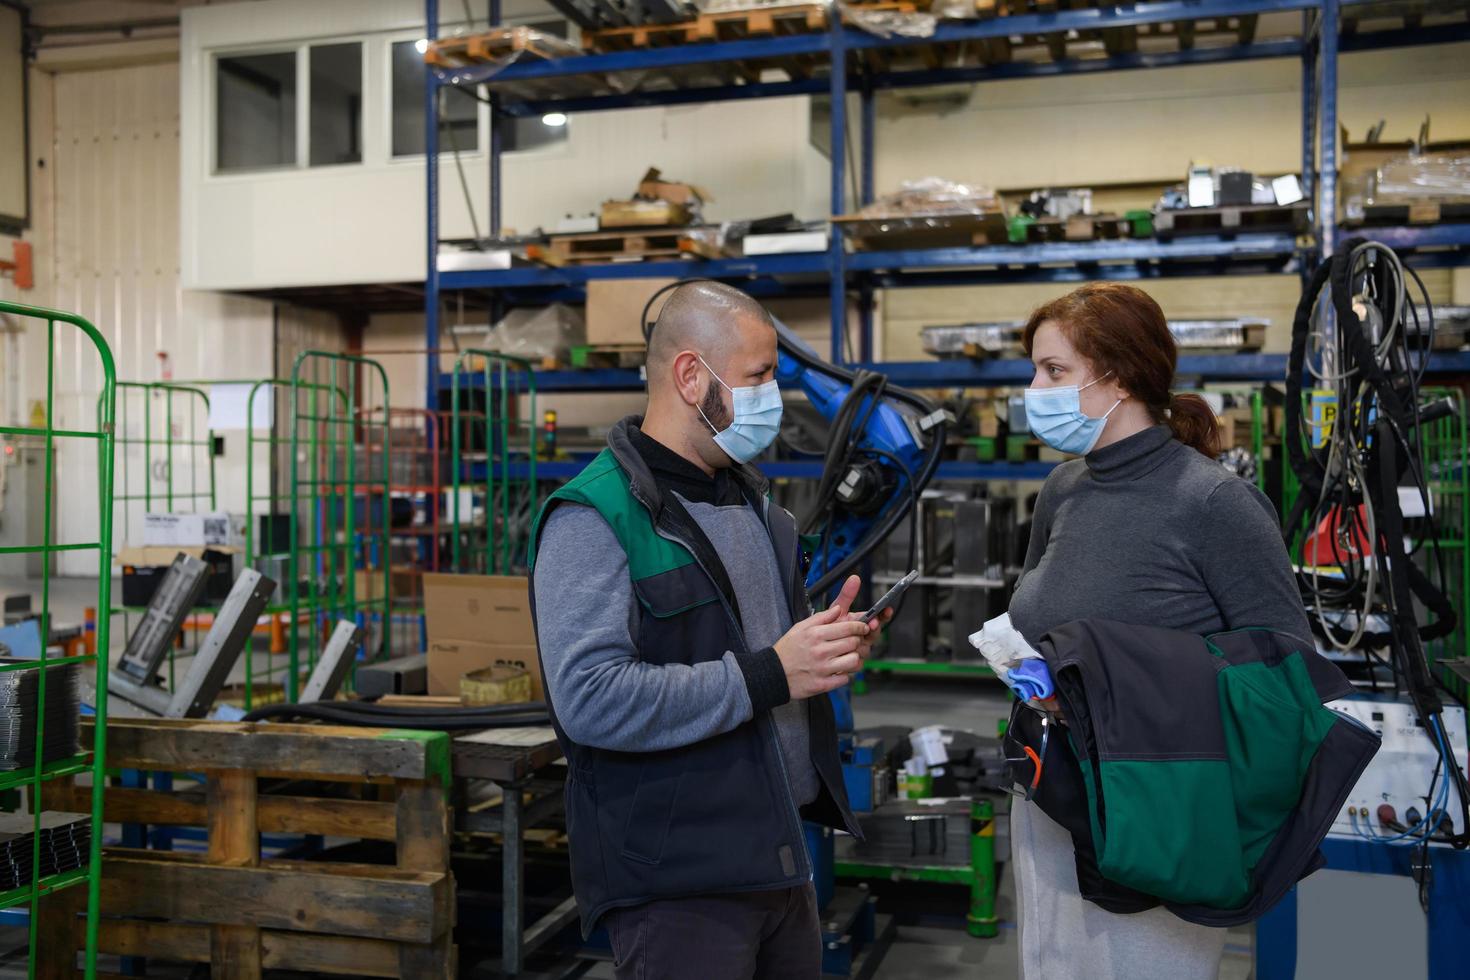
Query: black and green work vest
[718, 815]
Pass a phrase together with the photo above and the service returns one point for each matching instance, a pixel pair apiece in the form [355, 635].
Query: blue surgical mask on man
[756, 418]
[1056, 418]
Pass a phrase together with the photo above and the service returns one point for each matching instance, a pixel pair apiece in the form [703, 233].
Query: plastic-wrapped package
[889, 23]
[536, 334]
[724, 6]
[933, 195]
[1426, 177]
[955, 9]
[508, 44]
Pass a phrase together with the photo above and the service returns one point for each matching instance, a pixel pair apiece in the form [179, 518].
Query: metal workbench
[521, 762]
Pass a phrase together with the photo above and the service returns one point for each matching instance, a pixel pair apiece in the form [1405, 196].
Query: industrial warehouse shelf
[965, 373]
[843, 59]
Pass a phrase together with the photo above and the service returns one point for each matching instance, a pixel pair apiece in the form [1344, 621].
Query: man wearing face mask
[686, 674]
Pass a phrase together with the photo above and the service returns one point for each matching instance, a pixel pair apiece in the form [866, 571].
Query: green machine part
[344, 561]
[509, 499]
[52, 437]
[979, 876]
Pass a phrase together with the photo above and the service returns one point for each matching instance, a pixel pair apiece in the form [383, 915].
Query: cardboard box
[187, 530]
[615, 305]
[451, 660]
[654, 187]
[476, 621]
[143, 570]
[644, 214]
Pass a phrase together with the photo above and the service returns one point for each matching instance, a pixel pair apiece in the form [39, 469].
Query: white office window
[255, 111]
[335, 118]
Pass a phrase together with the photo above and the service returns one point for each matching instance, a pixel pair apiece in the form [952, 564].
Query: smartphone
[891, 597]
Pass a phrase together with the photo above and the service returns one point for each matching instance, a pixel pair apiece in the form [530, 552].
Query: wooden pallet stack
[923, 231]
[242, 913]
[646, 244]
[1242, 219]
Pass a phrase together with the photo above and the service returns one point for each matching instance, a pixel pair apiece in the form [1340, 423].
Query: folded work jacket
[1196, 772]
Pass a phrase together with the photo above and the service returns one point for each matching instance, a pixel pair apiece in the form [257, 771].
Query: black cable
[458, 166]
[431, 720]
[1376, 440]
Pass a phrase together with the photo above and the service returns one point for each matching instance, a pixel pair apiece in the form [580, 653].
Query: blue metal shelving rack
[837, 273]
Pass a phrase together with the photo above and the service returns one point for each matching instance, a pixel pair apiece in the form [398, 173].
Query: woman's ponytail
[1194, 424]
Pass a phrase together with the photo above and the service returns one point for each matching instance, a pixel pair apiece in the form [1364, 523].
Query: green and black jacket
[1196, 772]
[718, 815]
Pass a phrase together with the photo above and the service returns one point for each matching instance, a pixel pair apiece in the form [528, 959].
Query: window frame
[480, 150]
[302, 53]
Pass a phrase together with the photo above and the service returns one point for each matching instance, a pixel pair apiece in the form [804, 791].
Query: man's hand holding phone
[822, 651]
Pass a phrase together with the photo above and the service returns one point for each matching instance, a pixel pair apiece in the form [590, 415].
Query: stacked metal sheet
[907, 832]
[66, 840]
[993, 339]
[19, 708]
[1219, 334]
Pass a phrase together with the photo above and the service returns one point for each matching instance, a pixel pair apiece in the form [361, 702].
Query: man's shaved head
[709, 340]
[703, 317]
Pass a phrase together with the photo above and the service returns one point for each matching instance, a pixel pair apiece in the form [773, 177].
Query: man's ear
[686, 376]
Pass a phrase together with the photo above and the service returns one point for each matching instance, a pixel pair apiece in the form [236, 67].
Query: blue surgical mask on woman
[755, 420]
[1056, 418]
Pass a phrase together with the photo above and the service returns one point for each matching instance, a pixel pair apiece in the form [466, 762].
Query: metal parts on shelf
[179, 592]
[233, 623]
[336, 660]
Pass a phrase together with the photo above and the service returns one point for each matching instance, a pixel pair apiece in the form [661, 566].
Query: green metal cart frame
[326, 433]
[182, 404]
[273, 444]
[94, 762]
[504, 379]
[179, 422]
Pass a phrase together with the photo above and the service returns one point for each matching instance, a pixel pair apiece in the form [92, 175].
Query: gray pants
[1064, 936]
[750, 936]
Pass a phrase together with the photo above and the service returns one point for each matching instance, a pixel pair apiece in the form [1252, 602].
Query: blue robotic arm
[883, 448]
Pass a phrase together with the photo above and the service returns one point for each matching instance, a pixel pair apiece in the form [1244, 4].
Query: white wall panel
[365, 222]
[113, 162]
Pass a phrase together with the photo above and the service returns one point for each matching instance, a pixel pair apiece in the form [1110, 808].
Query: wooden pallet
[919, 231]
[1418, 213]
[725, 25]
[1231, 220]
[1409, 14]
[1079, 228]
[503, 42]
[242, 913]
[622, 246]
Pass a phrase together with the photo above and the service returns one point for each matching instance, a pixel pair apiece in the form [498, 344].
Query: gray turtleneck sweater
[1149, 531]
[1144, 531]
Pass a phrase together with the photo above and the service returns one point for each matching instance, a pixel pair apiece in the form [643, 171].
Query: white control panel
[1400, 773]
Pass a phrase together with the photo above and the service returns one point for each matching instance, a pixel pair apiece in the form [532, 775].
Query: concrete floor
[921, 951]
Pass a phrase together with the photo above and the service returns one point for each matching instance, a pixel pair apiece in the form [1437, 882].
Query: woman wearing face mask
[1146, 528]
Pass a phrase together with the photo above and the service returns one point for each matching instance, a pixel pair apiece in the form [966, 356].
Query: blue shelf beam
[1414, 238]
[1269, 253]
[1009, 372]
